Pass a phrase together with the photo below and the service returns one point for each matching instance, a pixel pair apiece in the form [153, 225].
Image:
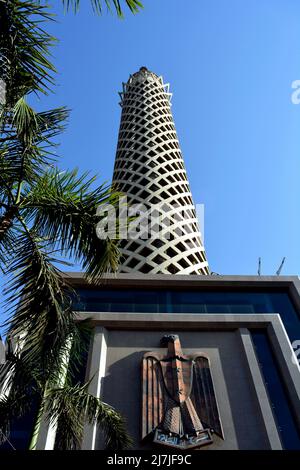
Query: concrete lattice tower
[149, 169]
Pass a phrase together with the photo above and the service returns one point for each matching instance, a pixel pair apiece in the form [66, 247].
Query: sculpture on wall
[179, 403]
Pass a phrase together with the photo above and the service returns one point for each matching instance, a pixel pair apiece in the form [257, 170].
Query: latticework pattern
[149, 169]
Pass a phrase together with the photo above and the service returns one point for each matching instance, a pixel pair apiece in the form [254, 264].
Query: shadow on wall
[244, 407]
[122, 389]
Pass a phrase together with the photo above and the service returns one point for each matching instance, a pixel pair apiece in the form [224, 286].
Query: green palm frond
[40, 126]
[11, 407]
[63, 207]
[27, 146]
[25, 122]
[80, 338]
[72, 407]
[52, 123]
[39, 301]
[20, 378]
[24, 48]
[8, 242]
[134, 5]
[6, 407]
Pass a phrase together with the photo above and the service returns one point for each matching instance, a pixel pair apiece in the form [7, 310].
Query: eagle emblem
[179, 403]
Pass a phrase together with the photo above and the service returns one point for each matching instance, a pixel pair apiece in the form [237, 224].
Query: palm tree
[46, 217]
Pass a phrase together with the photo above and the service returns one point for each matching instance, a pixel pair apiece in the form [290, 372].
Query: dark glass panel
[278, 397]
[221, 302]
[120, 301]
[184, 301]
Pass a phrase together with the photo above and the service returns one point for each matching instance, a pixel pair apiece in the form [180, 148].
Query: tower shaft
[149, 169]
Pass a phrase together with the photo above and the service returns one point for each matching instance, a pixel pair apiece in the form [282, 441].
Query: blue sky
[230, 66]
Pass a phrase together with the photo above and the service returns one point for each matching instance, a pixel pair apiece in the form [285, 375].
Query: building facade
[245, 325]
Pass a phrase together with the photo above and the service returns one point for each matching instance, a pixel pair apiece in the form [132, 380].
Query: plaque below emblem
[179, 404]
[183, 442]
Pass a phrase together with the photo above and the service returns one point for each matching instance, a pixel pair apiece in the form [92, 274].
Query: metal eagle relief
[179, 403]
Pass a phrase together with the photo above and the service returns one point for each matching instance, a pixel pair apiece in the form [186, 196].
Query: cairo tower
[149, 169]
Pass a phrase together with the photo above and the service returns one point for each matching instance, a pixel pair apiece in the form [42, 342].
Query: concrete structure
[226, 317]
[149, 169]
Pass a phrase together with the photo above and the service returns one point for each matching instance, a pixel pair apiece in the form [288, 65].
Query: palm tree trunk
[36, 428]
[60, 383]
